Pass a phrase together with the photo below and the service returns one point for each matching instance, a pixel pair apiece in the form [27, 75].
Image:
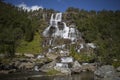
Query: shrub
[52, 72]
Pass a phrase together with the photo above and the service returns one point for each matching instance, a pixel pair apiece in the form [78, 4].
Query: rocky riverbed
[58, 66]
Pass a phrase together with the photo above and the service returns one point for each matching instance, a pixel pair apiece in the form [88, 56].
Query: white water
[66, 33]
[66, 59]
[92, 45]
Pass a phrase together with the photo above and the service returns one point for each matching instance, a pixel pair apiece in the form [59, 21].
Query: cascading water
[60, 39]
[53, 29]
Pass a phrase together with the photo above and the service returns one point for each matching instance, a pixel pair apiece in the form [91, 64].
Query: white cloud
[25, 7]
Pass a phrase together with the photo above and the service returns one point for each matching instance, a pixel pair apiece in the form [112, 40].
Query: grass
[83, 57]
[52, 72]
[33, 47]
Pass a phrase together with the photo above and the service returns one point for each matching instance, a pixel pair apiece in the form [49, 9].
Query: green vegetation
[84, 56]
[30, 47]
[19, 31]
[14, 26]
[52, 72]
[101, 28]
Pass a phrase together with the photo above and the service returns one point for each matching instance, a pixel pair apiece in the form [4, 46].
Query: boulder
[36, 68]
[52, 56]
[63, 68]
[4, 72]
[118, 69]
[26, 66]
[88, 67]
[40, 56]
[18, 54]
[64, 52]
[29, 55]
[104, 72]
[12, 70]
[66, 59]
[2, 55]
[47, 67]
[76, 68]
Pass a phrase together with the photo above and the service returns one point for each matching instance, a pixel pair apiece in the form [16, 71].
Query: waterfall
[53, 29]
[54, 21]
[58, 17]
[65, 31]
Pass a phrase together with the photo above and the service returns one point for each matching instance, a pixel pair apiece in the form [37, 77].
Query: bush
[52, 72]
[116, 64]
[82, 57]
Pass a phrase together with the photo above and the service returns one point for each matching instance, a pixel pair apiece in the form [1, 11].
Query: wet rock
[29, 55]
[7, 71]
[63, 68]
[4, 72]
[7, 66]
[76, 68]
[118, 69]
[40, 56]
[88, 67]
[36, 68]
[26, 66]
[52, 56]
[105, 72]
[2, 55]
[47, 67]
[67, 59]
[12, 71]
[64, 53]
[18, 54]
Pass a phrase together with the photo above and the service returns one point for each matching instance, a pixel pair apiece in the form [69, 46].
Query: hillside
[21, 31]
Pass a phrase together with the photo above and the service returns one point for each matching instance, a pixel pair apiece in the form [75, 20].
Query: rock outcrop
[76, 68]
[106, 72]
[48, 66]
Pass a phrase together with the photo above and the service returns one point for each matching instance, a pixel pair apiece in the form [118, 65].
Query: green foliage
[83, 56]
[30, 47]
[52, 72]
[116, 63]
[102, 28]
[19, 31]
[16, 28]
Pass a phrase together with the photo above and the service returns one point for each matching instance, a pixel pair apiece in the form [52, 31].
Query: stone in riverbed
[106, 72]
[63, 68]
[26, 66]
[118, 69]
[76, 68]
[47, 67]
[52, 56]
[88, 67]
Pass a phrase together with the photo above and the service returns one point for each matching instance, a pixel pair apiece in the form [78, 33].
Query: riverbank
[42, 76]
[26, 68]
